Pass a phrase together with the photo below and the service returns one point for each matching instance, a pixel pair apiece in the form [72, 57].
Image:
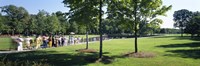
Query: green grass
[5, 43]
[170, 51]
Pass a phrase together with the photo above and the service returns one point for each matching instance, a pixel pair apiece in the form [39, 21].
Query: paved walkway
[6, 52]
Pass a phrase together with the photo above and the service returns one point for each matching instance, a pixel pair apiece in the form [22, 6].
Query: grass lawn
[170, 50]
[5, 43]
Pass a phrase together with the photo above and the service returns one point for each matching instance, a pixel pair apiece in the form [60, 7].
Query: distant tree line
[17, 20]
[169, 31]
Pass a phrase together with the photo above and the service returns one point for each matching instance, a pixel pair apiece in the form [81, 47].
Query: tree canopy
[181, 18]
[134, 12]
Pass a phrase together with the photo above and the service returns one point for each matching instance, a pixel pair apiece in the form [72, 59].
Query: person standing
[63, 40]
[20, 43]
[53, 41]
[45, 41]
[27, 41]
[50, 41]
[72, 40]
[31, 43]
[59, 40]
[38, 42]
[56, 41]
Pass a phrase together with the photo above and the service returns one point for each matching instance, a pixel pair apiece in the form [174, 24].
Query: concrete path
[6, 52]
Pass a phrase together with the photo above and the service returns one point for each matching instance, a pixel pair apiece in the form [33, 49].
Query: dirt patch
[87, 50]
[105, 60]
[140, 54]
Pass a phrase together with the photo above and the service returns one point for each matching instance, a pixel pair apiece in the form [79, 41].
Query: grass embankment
[169, 50]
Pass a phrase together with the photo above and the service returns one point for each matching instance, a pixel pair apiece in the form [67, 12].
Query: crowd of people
[44, 41]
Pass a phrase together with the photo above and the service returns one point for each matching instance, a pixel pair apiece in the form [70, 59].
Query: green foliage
[192, 27]
[84, 12]
[169, 31]
[53, 24]
[73, 27]
[17, 17]
[64, 24]
[122, 12]
[136, 14]
[181, 18]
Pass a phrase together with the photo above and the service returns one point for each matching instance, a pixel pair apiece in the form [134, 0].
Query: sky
[33, 7]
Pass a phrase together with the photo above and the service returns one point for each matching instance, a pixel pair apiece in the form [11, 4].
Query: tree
[193, 26]
[62, 17]
[181, 18]
[17, 17]
[53, 24]
[40, 21]
[84, 12]
[33, 24]
[133, 12]
[73, 27]
[1, 23]
[100, 29]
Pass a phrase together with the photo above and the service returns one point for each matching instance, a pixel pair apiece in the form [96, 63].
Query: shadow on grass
[187, 38]
[194, 52]
[193, 44]
[191, 53]
[57, 59]
[180, 38]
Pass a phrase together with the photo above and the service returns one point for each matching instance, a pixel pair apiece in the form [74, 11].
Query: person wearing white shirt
[20, 43]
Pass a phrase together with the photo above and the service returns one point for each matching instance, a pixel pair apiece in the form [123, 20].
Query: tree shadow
[194, 52]
[187, 38]
[191, 53]
[179, 37]
[57, 59]
[193, 44]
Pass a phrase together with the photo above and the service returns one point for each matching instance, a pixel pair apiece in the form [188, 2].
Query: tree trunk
[100, 30]
[86, 39]
[181, 32]
[135, 16]
[192, 35]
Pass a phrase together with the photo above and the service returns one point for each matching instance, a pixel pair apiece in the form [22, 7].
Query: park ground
[169, 50]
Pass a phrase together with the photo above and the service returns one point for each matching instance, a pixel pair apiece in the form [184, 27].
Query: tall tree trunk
[192, 35]
[181, 32]
[100, 30]
[135, 16]
[86, 39]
